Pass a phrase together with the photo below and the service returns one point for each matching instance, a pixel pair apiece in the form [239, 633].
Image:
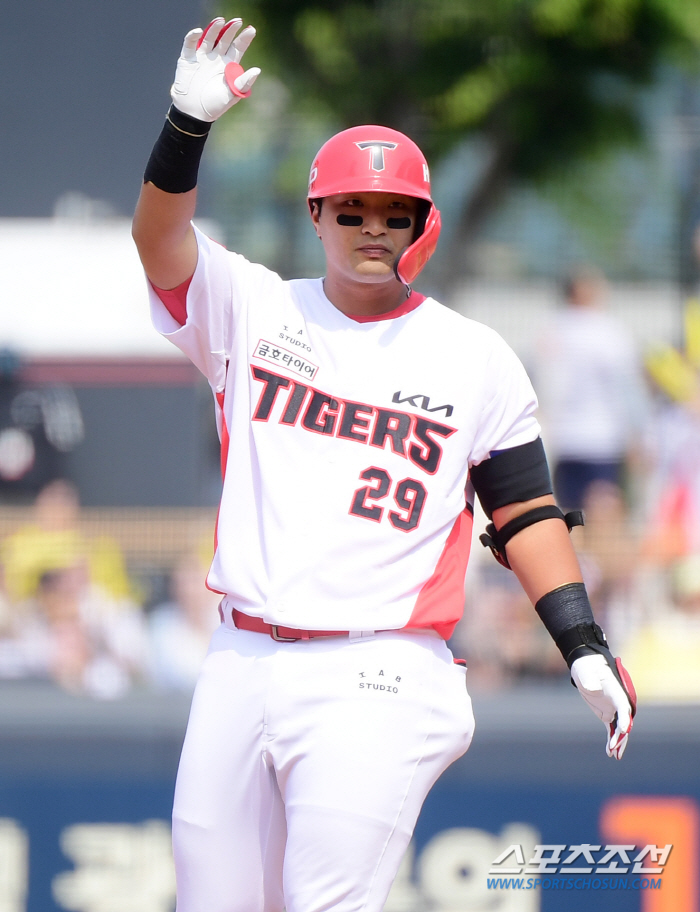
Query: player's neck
[364, 298]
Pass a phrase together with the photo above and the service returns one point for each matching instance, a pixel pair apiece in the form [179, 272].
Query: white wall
[520, 312]
[74, 289]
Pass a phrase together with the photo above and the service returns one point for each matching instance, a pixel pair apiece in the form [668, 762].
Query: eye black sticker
[350, 221]
[355, 221]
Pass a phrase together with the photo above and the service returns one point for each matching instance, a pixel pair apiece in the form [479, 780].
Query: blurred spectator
[37, 428]
[663, 655]
[591, 391]
[5, 606]
[500, 635]
[73, 634]
[608, 549]
[53, 541]
[663, 652]
[180, 629]
[674, 484]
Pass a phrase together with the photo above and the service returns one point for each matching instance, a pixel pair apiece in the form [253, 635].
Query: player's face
[362, 233]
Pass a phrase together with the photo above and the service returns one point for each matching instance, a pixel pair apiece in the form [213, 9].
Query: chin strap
[497, 539]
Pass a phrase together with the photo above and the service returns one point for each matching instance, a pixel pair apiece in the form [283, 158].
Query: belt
[280, 634]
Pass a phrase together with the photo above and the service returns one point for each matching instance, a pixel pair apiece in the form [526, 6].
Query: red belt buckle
[280, 639]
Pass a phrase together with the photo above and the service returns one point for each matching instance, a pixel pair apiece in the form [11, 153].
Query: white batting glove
[209, 78]
[613, 703]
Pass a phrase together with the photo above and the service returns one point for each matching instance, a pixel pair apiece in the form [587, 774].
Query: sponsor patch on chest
[293, 361]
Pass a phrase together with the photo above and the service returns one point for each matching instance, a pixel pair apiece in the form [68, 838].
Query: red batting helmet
[373, 158]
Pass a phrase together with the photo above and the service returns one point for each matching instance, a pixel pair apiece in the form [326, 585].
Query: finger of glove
[227, 34]
[618, 740]
[617, 746]
[616, 751]
[627, 684]
[189, 45]
[246, 80]
[210, 35]
[241, 44]
[621, 748]
[619, 699]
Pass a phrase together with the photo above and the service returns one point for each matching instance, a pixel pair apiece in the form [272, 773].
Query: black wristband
[174, 162]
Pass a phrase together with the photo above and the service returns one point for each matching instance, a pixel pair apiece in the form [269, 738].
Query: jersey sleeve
[219, 293]
[508, 418]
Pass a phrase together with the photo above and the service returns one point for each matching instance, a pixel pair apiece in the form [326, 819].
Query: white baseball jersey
[346, 445]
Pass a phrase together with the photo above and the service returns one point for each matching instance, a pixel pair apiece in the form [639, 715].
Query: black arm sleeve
[512, 476]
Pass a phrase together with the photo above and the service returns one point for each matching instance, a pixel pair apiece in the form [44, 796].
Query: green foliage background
[548, 86]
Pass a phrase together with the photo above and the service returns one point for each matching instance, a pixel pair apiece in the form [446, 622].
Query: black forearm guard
[174, 162]
[567, 615]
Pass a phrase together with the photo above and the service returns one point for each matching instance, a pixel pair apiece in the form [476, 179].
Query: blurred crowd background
[99, 604]
[564, 139]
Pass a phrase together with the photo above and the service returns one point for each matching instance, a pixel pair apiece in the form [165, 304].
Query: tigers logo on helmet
[376, 158]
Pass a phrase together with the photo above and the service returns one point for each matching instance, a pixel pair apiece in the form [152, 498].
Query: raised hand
[209, 78]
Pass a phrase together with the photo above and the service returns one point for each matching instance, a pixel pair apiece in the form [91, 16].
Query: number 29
[409, 497]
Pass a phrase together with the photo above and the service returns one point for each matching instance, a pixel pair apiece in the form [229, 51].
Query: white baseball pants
[305, 766]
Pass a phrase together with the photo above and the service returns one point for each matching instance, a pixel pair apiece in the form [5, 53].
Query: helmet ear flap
[413, 258]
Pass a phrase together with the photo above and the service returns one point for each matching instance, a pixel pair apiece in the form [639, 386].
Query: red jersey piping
[412, 301]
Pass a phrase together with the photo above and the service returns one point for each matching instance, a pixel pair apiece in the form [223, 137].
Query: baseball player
[357, 418]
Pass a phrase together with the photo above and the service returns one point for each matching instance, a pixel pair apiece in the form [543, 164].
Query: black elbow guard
[512, 476]
[515, 476]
